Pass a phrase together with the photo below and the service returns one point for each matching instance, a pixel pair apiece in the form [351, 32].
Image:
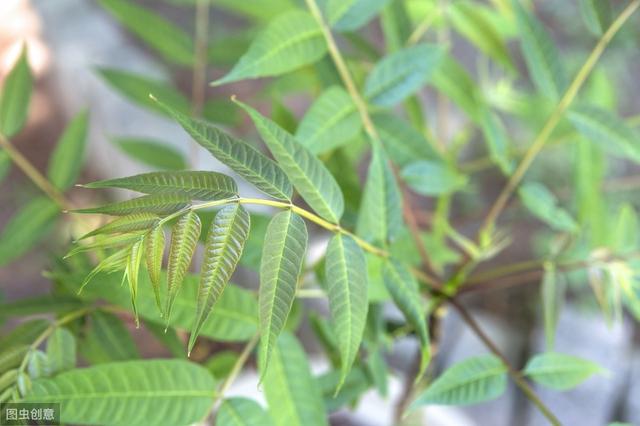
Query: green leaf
[114, 262]
[132, 271]
[12, 356]
[167, 392]
[108, 339]
[471, 21]
[38, 364]
[290, 41]
[380, 217]
[197, 185]
[124, 224]
[160, 204]
[544, 205]
[61, 350]
[495, 136]
[477, 379]
[103, 242]
[49, 303]
[606, 130]
[168, 338]
[25, 333]
[330, 122]
[346, 273]
[349, 15]
[401, 73]
[154, 253]
[163, 36]
[15, 96]
[5, 164]
[184, 238]
[244, 159]
[291, 391]
[242, 412]
[625, 234]
[596, 14]
[560, 371]
[453, 80]
[152, 153]
[309, 176]
[28, 226]
[402, 142]
[552, 292]
[284, 250]
[67, 159]
[406, 295]
[540, 54]
[225, 242]
[137, 88]
[433, 178]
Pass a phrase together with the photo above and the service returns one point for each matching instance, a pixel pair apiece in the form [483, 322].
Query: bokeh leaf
[242, 412]
[433, 178]
[596, 14]
[61, 350]
[283, 255]
[152, 153]
[349, 15]
[15, 96]
[67, 158]
[544, 205]
[108, 339]
[559, 371]
[290, 41]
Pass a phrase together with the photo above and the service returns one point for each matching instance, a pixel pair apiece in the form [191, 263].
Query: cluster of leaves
[366, 109]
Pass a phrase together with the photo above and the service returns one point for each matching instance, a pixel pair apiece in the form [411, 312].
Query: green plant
[365, 110]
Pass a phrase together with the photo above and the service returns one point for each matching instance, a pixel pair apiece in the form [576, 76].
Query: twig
[515, 374]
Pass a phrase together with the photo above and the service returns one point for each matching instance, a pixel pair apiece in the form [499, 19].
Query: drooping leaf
[104, 242]
[283, 255]
[496, 138]
[167, 392]
[15, 96]
[197, 185]
[402, 142]
[242, 412]
[28, 226]
[114, 262]
[154, 252]
[433, 178]
[330, 122]
[606, 130]
[290, 41]
[560, 371]
[160, 204]
[544, 205]
[137, 88]
[406, 295]
[234, 319]
[225, 242]
[540, 54]
[244, 159]
[307, 173]
[184, 238]
[163, 36]
[132, 272]
[470, 20]
[67, 159]
[349, 15]
[108, 339]
[380, 216]
[596, 14]
[477, 379]
[291, 391]
[454, 81]
[152, 153]
[61, 350]
[346, 277]
[401, 73]
[124, 224]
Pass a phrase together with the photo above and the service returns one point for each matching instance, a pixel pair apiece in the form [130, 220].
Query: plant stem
[556, 116]
[32, 173]
[236, 369]
[198, 82]
[515, 374]
[423, 27]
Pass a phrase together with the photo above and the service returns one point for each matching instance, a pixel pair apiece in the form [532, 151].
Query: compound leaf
[283, 255]
[124, 224]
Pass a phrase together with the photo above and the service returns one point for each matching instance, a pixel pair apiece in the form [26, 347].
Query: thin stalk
[32, 173]
[198, 82]
[423, 27]
[556, 116]
[515, 374]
